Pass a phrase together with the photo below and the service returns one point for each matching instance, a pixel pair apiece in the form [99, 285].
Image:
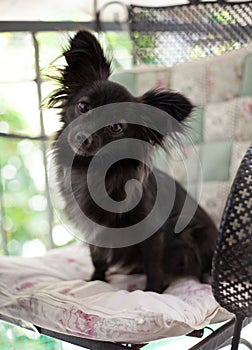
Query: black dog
[164, 255]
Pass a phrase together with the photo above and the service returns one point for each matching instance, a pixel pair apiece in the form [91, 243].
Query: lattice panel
[232, 265]
[167, 35]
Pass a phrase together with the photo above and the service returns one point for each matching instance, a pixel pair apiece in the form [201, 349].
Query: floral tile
[224, 75]
[243, 129]
[219, 121]
[246, 85]
[189, 78]
[213, 196]
[238, 151]
[215, 160]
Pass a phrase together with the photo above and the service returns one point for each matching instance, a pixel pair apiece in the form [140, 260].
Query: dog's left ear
[171, 123]
[173, 103]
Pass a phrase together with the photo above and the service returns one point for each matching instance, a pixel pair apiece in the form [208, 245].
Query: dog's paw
[155, 287]
[98, 276]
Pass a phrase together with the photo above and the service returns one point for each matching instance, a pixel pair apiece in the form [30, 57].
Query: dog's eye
[83, 107]
[116, 128]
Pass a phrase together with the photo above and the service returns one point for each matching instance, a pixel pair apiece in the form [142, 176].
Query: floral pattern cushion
[38, 291]
[243, 129]
[224, 75]
[213, 79]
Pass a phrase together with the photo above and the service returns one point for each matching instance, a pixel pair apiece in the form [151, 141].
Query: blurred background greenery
[17, 338]
[25, 219]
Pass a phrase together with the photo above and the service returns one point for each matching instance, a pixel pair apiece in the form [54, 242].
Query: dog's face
[97, 94]
[85, 87]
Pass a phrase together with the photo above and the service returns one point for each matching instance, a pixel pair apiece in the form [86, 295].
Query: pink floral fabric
[84, 324]
[52, 292]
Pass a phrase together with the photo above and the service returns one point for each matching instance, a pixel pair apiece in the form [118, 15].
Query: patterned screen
[167, 35]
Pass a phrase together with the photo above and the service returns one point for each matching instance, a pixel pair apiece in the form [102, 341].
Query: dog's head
[85, 86]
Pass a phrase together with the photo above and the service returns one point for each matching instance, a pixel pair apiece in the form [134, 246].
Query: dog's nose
[82, 140]
[83, 143]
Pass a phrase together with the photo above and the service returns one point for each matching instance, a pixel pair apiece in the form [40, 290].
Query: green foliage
[118, 40]
[25, 216]
[16, 338]
[19, 185]
[51, 45]
[119, 46]
[146, 43]
[222, 17]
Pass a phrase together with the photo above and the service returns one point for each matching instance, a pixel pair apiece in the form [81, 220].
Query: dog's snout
[82, 140]
[82, 143]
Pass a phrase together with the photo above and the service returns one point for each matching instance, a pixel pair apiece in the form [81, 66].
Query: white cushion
[50, 292]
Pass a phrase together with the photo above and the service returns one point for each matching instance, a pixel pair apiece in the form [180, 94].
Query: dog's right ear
[86, 62]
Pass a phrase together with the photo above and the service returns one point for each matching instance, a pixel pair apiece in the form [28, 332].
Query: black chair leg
[237, 332]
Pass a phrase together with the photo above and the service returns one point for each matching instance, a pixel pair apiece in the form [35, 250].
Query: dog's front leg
[99, 258]
[152, 254]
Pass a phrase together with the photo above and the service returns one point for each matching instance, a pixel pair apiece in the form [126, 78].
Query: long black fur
[165, 255]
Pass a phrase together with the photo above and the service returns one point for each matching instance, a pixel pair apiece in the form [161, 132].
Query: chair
[228, 27]
[232, 263]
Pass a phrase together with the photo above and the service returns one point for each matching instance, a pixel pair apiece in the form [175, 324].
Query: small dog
[165, 255]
